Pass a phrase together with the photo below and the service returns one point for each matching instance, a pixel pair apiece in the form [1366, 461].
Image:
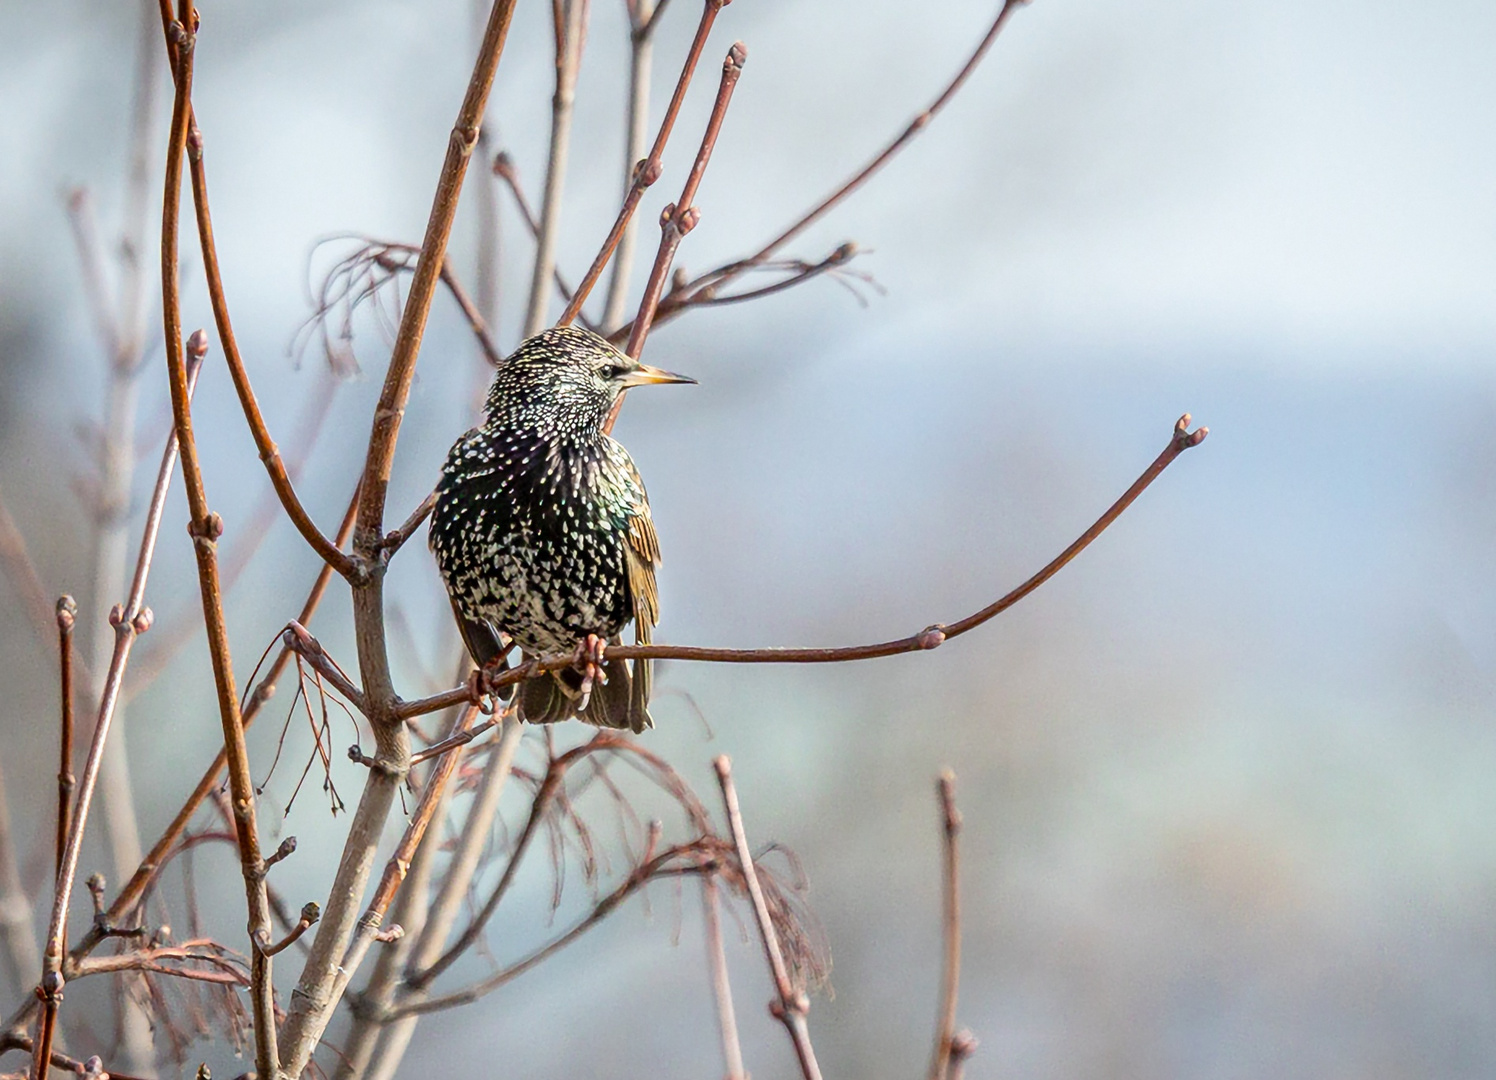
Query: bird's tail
[617, 703]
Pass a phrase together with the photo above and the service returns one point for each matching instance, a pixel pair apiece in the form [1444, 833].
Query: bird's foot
[589, 661]
[481, 681]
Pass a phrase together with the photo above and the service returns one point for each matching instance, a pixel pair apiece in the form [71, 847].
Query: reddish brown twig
[67, 617]
[269, 454]
[300, 641]
[648, 170]
[395, 538]
[129, 620]
[792, 1005]
[310, 913]
[945, 1029]
[681, 218]
[180, 628]
[555, 775]
[727, 1021]
[206, 527]
[929, 638]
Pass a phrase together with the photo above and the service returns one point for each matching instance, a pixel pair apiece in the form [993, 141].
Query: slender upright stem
[791, 1004]
[67, 618]
[568, 63]
[681, 218]
[945, 1030]
[727, 1021]
[722, 275]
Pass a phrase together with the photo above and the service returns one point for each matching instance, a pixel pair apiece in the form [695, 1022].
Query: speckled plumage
[541, 526]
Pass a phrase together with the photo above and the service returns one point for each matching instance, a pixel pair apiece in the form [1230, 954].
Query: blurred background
[1227, 780]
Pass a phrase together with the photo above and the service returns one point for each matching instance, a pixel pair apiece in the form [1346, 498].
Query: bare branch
[727, 1021]
[310, 913]
[280, 478]
[67, 617]
[929, 638]
[150, 866]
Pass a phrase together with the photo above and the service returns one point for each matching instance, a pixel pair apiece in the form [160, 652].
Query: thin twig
[67, 618]
[683, 860]
[791, 1005]
[727, 1021]
[310, 913]
[680, 217]
[280, 478]
[647, 171]
[300, 641]
[929, 638]
[945, 1029]
[206, 527]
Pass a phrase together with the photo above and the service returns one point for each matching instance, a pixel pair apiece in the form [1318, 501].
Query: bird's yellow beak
[644, 374]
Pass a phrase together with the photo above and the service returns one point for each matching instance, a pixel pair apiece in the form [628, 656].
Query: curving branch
[280, 478]
[930, 637]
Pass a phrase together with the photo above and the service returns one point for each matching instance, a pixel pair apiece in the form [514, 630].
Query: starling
[542, 531]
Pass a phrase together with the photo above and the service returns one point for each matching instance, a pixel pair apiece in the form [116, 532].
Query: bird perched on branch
[542, 531]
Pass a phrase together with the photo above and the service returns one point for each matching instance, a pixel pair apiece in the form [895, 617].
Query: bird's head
[566, 377]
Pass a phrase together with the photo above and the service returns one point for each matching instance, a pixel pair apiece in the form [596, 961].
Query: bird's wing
[642, 554]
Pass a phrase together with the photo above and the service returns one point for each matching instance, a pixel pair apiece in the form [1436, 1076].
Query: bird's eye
[610, 371]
